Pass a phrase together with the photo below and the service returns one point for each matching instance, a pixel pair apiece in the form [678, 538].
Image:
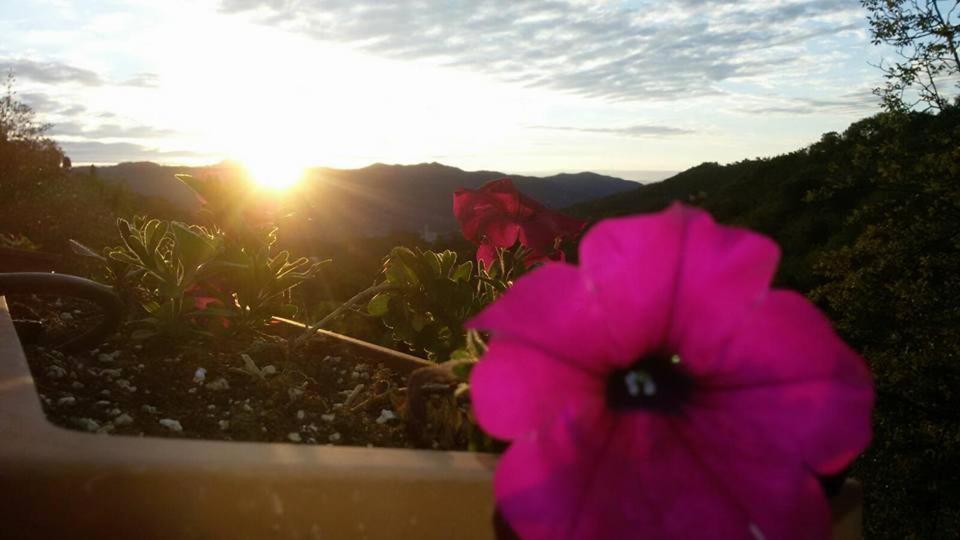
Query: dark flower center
[657, 383]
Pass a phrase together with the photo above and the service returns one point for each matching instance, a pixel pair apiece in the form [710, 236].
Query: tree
[27, 156]
[925, 35]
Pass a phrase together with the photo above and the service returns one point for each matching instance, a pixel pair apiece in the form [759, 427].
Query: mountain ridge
[372, 200]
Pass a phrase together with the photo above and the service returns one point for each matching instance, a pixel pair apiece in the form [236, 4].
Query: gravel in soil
[225, 389]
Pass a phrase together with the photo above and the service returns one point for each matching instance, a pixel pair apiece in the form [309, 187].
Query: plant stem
[359, 297]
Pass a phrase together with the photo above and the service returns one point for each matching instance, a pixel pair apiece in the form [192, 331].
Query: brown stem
[359, 297]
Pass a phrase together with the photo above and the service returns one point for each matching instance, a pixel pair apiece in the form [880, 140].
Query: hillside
[374, 200]
[763, 194]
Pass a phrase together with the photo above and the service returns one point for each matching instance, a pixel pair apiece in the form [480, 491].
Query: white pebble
[301, 414]
[328, 417]
[294, 437]
[149, 409]
[334, 437]
[224, 424]
[385, 416]
[76, 385]
[66, 316]
[269, 370]
[123, 419]
[171, 424]
[67, 400]
[200, 375]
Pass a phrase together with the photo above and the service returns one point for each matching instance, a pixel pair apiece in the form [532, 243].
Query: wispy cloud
[109, 131]
[50, 72]
[857, 102]
[655, 51]
[100, 152]
[143, 80]
[45, 104]
[629, 131]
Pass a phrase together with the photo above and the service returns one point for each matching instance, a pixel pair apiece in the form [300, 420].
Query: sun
[275, 172]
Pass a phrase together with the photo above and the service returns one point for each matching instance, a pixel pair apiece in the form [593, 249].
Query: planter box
[56, 483]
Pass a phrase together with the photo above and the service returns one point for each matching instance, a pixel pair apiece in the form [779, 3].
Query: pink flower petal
[724, 273]
[516, 390]
[777, 496]
[788, 378]
[594, 474]
[553, 310]
[632, 264]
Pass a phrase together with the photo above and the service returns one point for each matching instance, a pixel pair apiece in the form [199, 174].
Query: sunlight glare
[274, 172]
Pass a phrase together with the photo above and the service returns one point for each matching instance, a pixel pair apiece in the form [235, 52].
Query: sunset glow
[334, 89]
[274, 173]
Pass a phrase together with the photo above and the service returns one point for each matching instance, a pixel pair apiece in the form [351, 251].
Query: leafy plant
[167, 259]
[430, 298]
[256, 283]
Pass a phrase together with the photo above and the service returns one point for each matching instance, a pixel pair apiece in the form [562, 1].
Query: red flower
[497, 216]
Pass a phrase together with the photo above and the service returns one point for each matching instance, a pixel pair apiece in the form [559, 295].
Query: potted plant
[121, 486]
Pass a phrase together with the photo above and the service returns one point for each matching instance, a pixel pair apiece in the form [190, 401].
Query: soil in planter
[241, 389]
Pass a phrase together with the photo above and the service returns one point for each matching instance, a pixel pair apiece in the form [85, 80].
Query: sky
[628, 86]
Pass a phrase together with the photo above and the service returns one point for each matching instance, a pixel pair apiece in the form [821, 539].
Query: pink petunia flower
[498, 216]
[662, 389]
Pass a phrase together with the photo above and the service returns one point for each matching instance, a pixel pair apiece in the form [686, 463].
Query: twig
[311, 330]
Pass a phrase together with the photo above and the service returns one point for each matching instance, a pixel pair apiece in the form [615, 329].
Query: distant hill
[373, 200]
[765, 194]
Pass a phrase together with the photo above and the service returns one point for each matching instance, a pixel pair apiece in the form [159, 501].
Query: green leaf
[192, 247]
[379, 305]
[447, 260]
[463, 368]
[463, 272]
[142, 334]
[417, 321]
[84, 251]
[409, 263]
[432, 262]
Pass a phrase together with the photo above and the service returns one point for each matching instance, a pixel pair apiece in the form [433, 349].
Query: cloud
[43, 103]
[656, 51]
[50, 72]
[629, 131]
[143, 80]
[100, 152]
[109, 131]
[857, 102]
